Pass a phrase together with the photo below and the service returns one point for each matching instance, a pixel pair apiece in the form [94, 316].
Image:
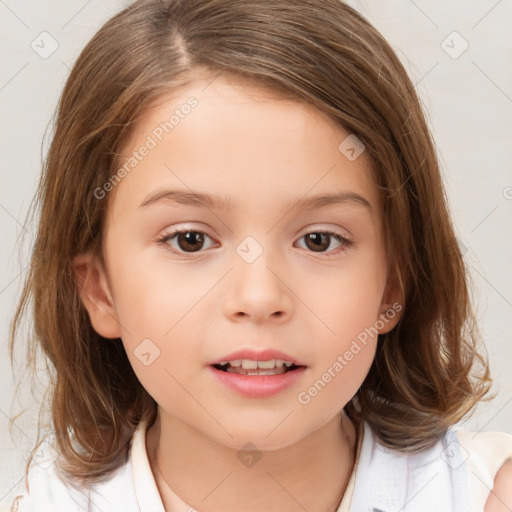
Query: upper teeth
[249, 364]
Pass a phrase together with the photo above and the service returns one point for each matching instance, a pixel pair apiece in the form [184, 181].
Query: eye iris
[189, 240]
[320, 241]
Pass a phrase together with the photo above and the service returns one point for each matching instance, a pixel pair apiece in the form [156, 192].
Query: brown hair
[322, 52]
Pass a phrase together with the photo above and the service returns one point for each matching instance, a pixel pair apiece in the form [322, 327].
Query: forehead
[224, 136]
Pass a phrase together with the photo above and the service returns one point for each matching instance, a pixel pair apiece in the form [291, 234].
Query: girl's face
[263, 263]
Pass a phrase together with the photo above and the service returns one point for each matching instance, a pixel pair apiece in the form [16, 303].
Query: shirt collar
[146, 490]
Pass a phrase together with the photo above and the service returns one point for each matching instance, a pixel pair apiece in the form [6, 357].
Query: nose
[258, 292]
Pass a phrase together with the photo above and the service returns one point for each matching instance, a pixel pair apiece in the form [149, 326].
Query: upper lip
[258, 355]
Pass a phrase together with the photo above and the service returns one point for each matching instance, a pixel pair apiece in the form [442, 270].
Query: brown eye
[185, 241]
[190, 241]
[320, 242]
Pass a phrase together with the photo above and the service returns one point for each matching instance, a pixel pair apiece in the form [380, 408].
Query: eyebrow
[223, 203]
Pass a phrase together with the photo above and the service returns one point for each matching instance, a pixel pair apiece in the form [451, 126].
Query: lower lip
[258, 386]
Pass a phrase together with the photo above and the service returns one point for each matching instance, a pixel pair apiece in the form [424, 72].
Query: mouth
[253, 367]
[258, 374]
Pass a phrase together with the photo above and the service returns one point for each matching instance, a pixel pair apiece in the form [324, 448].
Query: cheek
[151, 296]
[157, 306]
[334, 383]
[341, 364]
[347, 301]
[346, 339]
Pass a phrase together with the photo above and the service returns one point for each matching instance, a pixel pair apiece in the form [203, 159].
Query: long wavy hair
[429, 371]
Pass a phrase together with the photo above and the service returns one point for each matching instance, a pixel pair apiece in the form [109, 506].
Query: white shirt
[455, 475]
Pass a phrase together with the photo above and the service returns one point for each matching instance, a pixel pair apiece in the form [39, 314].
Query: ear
[95, 293]
[392, 305]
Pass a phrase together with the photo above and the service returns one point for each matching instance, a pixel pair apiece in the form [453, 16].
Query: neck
[207, 475]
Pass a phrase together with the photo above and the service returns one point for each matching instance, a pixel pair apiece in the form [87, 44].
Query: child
[246, 278]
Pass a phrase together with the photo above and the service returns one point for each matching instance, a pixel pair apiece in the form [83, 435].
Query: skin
[262, 152]
[500, 498]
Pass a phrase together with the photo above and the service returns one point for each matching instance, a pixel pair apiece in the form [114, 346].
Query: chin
[264, 436]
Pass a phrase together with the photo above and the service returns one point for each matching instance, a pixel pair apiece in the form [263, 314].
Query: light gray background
[468, 98]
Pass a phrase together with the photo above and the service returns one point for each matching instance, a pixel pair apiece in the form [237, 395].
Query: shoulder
[46, 490]
[489, 464]
[462, 471]
[500, 498]
[485, 451]
[432, 479]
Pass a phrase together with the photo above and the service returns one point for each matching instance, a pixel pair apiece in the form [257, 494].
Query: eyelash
[345, 242]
